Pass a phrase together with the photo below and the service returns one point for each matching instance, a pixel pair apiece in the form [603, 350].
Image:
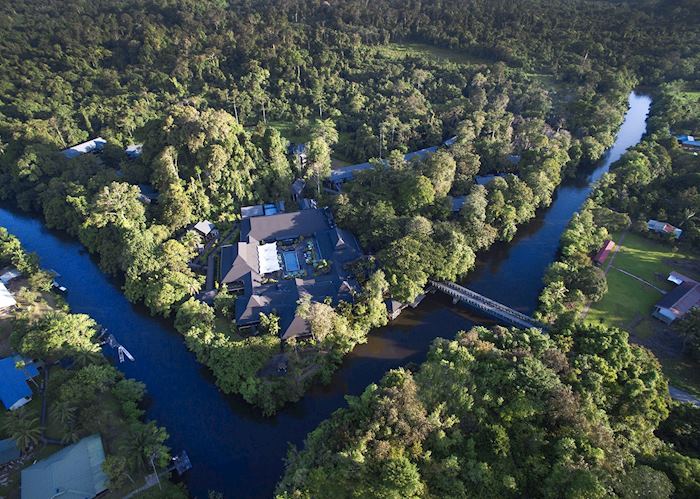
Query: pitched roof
[604, 251]
[239, 260]
[661, 226]
[205, 227]
[284, 225]
[134, 150]
[678, 278]
[8, 451]
[74, 472]
[682, 298]
[6, 298]
[13, 382]
[96, 144]
[256, 210]
[458, 202]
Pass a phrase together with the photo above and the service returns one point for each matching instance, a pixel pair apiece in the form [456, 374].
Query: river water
[232, 448]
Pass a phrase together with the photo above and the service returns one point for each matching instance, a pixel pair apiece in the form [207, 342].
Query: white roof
[134, 150]
[257, 210]
[6, 298]
[205, 227]
[267, 258]
[89, 146]
[9, 275]
[678, 278]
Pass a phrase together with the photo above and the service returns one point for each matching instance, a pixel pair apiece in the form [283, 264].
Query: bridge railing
[487, 304]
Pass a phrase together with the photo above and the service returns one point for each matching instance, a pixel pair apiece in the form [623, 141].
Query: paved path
[663, 292]
[683, 396]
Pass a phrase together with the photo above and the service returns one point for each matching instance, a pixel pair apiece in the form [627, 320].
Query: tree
[273, 173]
[415, 193]
[255, 81]
[405, 268]
[116, 469]
[143, 444]
[57, 335]
[440, 168]
[318, 161]
[688, 327]
[23, 427]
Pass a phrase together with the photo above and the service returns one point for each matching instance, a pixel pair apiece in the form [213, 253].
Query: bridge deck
[486, 305]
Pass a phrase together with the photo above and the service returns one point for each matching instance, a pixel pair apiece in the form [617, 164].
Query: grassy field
[288, 130]
[629, 302]
[401, 50]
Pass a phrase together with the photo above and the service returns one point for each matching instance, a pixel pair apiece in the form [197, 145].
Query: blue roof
[13, 382]
[8, 451]
[74, 472]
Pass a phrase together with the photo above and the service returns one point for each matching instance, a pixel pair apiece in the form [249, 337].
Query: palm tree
[86, 356]
[141, 442]
[63, 413]
[23, 427]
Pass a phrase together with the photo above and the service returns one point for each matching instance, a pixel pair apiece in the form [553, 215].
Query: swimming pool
[291, 262]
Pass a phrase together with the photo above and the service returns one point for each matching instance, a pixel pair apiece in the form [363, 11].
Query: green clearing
[401, 50]
[629, 302]
[289, 131]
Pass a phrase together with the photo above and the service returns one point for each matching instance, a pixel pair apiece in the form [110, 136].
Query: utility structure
[486, 305]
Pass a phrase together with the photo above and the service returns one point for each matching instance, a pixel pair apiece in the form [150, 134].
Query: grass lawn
[288, 130]
[629, 302]
[401, 50]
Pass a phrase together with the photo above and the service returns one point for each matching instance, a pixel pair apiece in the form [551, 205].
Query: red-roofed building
[604, 252]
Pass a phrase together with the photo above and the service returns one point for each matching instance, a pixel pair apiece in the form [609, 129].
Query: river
[232, 448]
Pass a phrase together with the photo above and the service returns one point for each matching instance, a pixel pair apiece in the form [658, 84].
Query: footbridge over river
[486, 305]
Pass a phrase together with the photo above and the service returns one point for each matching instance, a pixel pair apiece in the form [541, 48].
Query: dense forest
[505, 413]
[215, 90]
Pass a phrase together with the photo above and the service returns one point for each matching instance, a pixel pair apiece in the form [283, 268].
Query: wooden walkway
[488, 306]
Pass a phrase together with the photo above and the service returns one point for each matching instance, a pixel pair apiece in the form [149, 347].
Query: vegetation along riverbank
[68, 396]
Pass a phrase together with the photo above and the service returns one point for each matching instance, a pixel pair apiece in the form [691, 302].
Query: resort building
[283, 256]
[14, 390]
[74, 472]
[664, 228]
[91, 146]
[679, 301]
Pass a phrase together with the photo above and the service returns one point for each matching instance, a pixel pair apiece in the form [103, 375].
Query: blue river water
[233, 448]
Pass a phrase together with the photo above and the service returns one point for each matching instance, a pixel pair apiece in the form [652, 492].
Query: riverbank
[625, 295]
[75, 394]
[226, 440]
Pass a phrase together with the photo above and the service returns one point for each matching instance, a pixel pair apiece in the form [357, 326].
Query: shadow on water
[232, 447]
